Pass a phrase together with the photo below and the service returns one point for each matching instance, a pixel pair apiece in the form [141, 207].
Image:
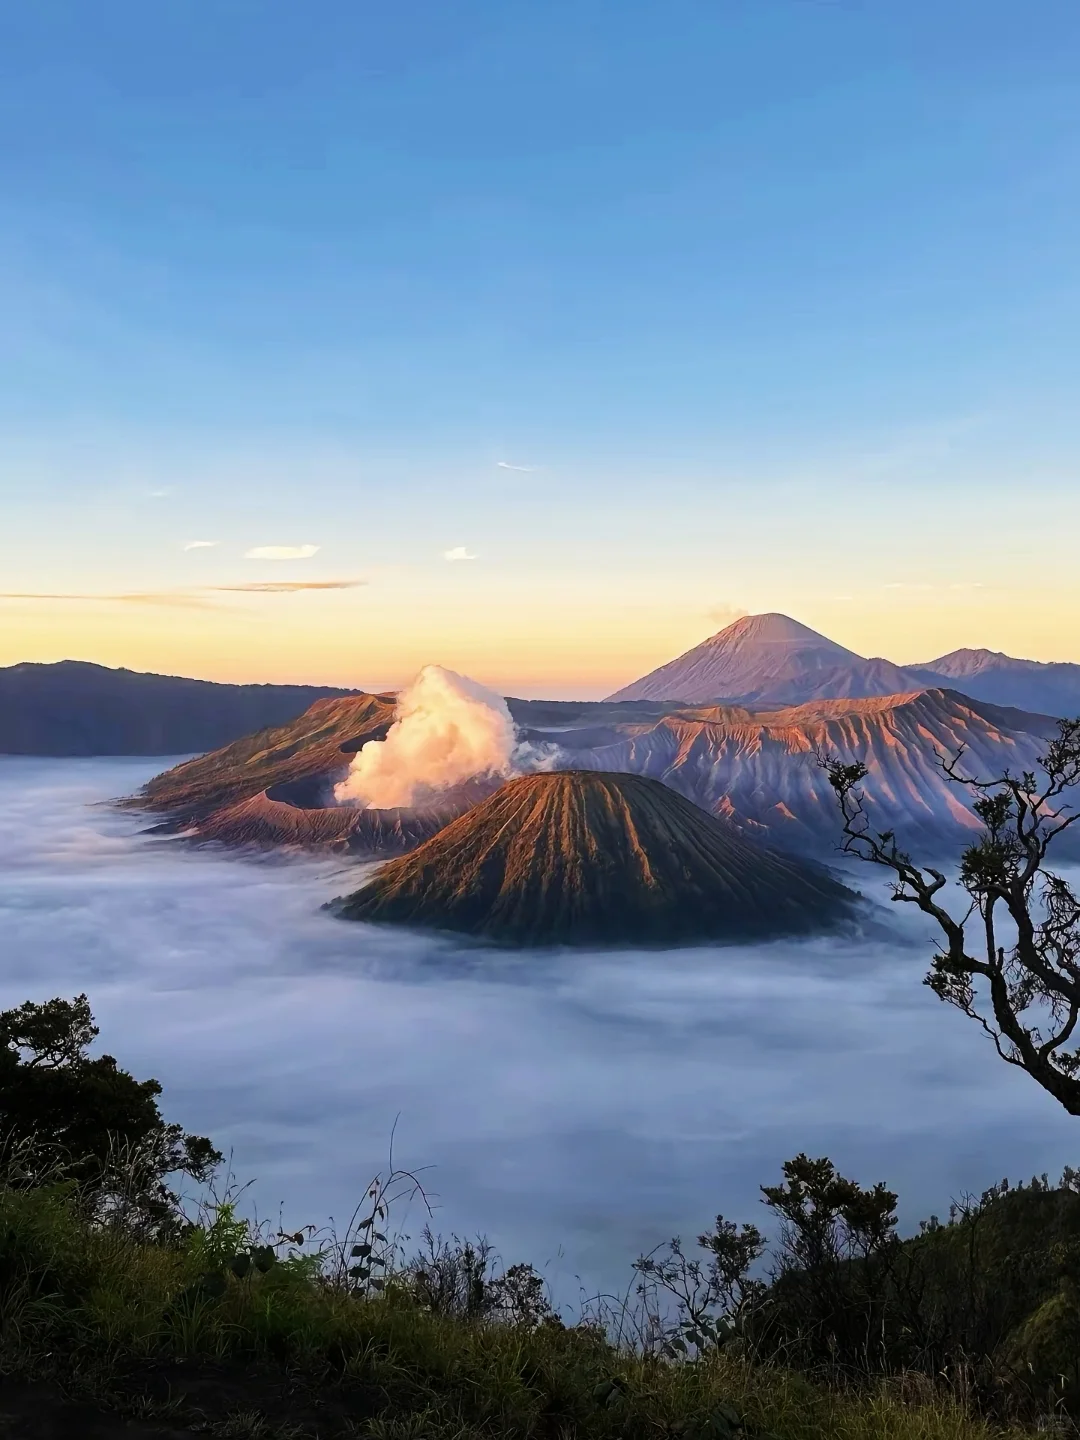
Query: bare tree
[1011, 960]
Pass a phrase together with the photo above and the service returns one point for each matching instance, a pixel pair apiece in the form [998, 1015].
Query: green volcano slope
[580, 858]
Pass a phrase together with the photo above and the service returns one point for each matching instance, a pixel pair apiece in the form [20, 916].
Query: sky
[542, 337]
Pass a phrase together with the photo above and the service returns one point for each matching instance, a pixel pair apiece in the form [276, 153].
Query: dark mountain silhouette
[74, 708]
[580, 858]
[767, 660]
[1052, 688]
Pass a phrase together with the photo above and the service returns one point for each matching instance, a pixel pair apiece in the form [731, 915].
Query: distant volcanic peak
[959, 664]
[1039, 686]
[767, 659]
[775, 629]
[586, 858]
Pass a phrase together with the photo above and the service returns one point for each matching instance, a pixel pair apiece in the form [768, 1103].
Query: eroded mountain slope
[761, 768]
[576, 857]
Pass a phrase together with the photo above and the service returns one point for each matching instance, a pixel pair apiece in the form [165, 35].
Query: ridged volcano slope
[761, 770]
[266, 823]
[580, 858]
[316, 746]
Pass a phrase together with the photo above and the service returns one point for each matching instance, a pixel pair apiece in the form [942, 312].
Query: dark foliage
[98, 1120]
[987, 1302]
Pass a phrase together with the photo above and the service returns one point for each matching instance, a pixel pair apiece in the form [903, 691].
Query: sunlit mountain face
[582, 858]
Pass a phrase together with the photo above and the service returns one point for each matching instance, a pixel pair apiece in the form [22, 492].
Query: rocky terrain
[275, 789]
[581, 858]
[308, 754]
[756, 767]
[267, 821]
[760, 768]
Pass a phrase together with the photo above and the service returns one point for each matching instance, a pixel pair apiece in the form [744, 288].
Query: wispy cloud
[505, 465]
[184, 599]
[202, 544]
[459, 552]
[281, 552]
[286, 587]
[194, 597]
[190, 599]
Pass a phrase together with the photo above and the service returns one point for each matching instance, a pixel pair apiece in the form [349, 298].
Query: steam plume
[448, 729]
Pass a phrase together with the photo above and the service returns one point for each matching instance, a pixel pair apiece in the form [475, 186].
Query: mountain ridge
[756, 767]
[760, 768]
[1050, 686]
[75, 707]
[772, 659]
[768, 658]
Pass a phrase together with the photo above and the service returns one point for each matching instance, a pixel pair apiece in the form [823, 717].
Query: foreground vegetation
[203, 1332]
[122, 1314]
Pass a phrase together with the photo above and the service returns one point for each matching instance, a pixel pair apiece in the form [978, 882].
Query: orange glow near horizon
[379, 643]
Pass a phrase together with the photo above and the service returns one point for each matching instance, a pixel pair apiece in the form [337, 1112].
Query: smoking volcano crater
[369, 774]
[581, 858]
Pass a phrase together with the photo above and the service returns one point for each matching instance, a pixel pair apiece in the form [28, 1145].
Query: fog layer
[577, 1108]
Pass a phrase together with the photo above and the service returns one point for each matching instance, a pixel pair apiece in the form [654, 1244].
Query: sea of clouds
[577, 1108]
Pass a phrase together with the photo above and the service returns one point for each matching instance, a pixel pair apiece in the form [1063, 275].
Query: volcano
[581, 858]
[768, 660]
[1051, 687]
[312, 751]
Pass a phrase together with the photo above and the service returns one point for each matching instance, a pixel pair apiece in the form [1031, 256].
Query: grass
[186, 1335]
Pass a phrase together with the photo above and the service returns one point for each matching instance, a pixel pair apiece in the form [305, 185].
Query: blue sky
[774, 302]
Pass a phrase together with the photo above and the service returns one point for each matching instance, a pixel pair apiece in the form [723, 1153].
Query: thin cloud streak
[193, 597]
[505, 465]
[202, 544]
[286, 587]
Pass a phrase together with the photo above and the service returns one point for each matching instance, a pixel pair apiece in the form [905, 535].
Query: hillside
[757, 767]
[760, 768]
[767, 659]
[1052, 688]
[270, 821]
[315, 747]
[578, 858]
[73, 708]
